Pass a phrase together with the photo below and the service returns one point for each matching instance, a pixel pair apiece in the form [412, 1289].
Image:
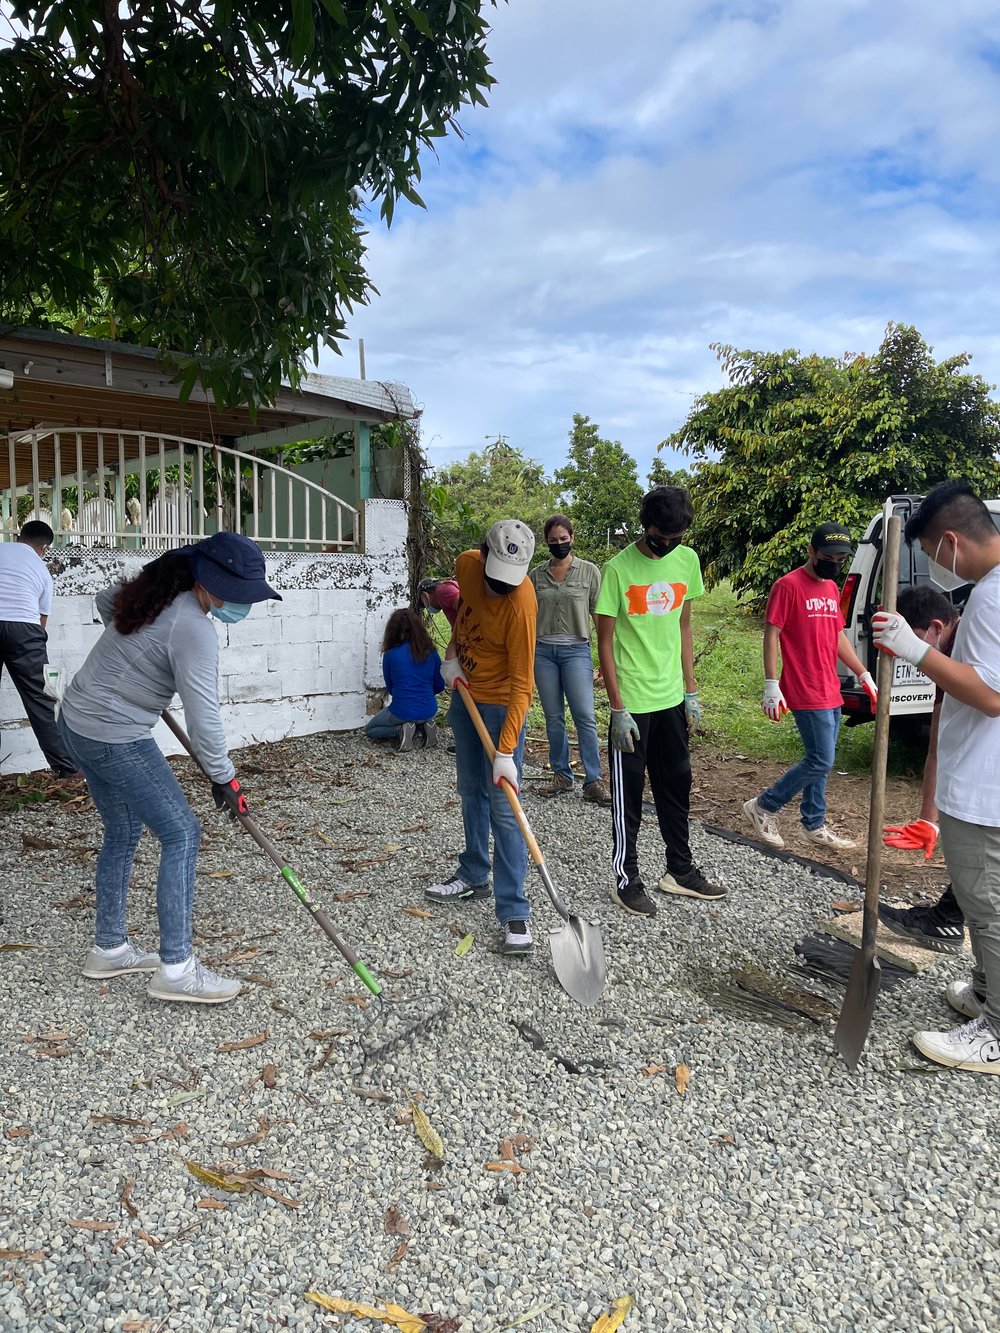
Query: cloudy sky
[653, 176]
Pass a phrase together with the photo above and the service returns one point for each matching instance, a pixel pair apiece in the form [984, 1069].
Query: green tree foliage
[466, 498]
[191, 176]
[602, 492]
[794, 440]
[661, 475]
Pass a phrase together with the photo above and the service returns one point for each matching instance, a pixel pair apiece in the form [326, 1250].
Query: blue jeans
[564, 674]
[382, 727]
[818, 728]
[134, 788]
[486, 808]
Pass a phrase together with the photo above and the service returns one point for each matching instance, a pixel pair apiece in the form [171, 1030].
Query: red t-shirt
[448, 597]
[807, 612]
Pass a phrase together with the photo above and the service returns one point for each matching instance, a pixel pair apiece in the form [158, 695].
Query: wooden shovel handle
[509, 792]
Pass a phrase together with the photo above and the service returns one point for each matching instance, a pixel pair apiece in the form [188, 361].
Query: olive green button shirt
[565, 608]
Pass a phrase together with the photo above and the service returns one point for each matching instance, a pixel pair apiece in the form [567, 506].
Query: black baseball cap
[832, 539]
[230, 566]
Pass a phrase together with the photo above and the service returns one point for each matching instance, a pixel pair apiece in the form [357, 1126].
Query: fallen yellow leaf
[607, 1323]
[426, 1132]
[682, 1077]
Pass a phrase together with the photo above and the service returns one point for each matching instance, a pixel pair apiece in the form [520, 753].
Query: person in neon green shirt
[644, 642]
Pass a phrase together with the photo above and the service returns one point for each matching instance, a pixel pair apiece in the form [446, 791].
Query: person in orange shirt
[492, 650]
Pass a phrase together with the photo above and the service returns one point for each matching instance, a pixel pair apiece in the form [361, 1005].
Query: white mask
[946, 579]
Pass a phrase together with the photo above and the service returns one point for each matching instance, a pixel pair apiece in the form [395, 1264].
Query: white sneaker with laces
[456, 890]
[197, 984]
[98, 966]
[825, 837]
[974, 1046]
[517, 937]
[961, 995]
[764, 823]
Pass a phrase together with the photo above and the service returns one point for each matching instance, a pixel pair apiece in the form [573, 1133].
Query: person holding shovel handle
[956, 531]
[492, 652]
[159, 641]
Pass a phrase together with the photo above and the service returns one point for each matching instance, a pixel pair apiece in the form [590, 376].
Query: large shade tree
[194, 175]
[794, 440]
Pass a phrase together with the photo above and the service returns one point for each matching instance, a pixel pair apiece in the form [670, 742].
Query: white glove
[867, 683]
[893, 635]
[54, 682]
[451, 670]
[692, 709]
[504, 768]
[773, 702]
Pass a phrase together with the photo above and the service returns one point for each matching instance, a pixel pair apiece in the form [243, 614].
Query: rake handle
[287, 873]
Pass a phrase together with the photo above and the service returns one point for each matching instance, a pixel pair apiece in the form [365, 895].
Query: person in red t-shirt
[803, 617]
[440, 595]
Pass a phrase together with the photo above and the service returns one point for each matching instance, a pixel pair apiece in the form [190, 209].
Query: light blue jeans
[134, 788]
[485, 808]
[382, 727]
[564, 674]
[818, 728]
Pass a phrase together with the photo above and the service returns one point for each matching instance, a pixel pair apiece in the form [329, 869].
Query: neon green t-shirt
[645, 597]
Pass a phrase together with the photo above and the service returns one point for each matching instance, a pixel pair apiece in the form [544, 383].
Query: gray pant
[972, 854]
[23, 653]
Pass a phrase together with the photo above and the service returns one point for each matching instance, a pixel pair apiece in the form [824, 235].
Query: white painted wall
[307, 663]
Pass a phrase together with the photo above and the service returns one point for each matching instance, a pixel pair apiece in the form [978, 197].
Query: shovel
[866, 973]
[577, 946]
[292, 880]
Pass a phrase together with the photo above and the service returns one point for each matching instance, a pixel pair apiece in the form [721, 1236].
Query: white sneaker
[98, 967]
[825, 837]
[961, 995]
[456, 890]
[974, 1047]
[197, 984]
[517, 937]
[764, 823]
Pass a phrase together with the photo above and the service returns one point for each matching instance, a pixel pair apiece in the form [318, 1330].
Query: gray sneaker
[457, 890]
[404, 736]
[197, 984]
[98, 968]
[427, 735]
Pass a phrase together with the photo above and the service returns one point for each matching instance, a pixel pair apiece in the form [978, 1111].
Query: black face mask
[659, 548]
[560, 550]
[826, 569]
[501, 588]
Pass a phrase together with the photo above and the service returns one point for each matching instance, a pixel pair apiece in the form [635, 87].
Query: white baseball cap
[510, 544]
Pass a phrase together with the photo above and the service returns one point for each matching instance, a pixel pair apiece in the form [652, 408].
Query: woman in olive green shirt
[567, 590]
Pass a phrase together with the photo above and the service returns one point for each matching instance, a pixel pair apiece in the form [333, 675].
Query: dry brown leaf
[349, 895]
[395, 1223]
[402, 1115]
[507, 1153]
[48, 1038]
[523, 1142]
[218, 874]
[328, 1050]
[122, 1240]
[151, 1241]
[650, 1070]
[17, 1132]
[278, 1198]
[258, 1040]
[322, 837]
[844, 905]
[17, 948]
[126, 1199]
[29, 1256]
[262, 1132]
[418, 912]
[269, 1076]
[117, 1120]
[327, 1035]
[212, 1203]
[53, 1052]
[682, 1077]
[280, 1007]
[395, 976]
[38, 844]
[256, 979]
[398, 1253]
[178, 1131]
[139, 1325]
[89, 1224]
[358, 1001]
[723, 1141]
[515, 1168]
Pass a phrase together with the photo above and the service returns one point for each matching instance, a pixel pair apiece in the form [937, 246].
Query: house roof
[61, 380]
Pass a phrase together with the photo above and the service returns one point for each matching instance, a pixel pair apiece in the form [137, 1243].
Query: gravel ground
[778, 1193]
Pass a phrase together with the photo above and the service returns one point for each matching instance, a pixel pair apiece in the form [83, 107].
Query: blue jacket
[412, 685]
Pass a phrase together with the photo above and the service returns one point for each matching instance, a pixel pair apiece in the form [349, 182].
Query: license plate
[905, 674]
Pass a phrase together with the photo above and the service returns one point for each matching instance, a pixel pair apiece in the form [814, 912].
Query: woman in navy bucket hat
[158, 642]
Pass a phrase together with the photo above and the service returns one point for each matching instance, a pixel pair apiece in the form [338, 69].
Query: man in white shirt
[956, 531]
[25, 604]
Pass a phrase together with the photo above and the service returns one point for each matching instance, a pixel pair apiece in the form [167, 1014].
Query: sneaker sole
[632, 911]
[841, 846]
[105, 974]
[925, 941]
[175, 998]
[681, 892]
[777, 841]
[517, 951]
[971, 1067]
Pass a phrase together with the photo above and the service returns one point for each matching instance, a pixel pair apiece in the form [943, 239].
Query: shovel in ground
[577, 946]
[866, 974]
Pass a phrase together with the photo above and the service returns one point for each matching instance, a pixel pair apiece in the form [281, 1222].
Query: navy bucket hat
[230, 566]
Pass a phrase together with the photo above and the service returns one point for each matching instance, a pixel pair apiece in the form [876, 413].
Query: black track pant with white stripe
[662, 752]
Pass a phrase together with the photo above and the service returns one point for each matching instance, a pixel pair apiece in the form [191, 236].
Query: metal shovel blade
[578, 959]
[859, 1005]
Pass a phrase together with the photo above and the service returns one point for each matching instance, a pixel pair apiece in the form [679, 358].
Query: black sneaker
[634, 898]
[404, 736]
[933, 928]
[692, 885]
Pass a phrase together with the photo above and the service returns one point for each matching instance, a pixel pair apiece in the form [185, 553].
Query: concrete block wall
[307, 663]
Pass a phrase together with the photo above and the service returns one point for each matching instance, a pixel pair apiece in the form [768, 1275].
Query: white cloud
[658, 176]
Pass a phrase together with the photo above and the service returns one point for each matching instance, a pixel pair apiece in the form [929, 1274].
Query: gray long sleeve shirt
[129, 679]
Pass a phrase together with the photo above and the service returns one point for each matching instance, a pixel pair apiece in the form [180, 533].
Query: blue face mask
[230, 613]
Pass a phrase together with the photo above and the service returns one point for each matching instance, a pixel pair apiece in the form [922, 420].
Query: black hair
[425, 585]
[405, 626]
[556, 521]
[140, 600]
[668, 508]
[951, 505]
[919, 606]
[36, 533]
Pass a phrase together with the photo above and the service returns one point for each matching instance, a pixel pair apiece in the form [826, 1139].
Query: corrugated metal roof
[382, 395]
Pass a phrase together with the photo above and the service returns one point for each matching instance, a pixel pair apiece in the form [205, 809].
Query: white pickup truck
[912, 692]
